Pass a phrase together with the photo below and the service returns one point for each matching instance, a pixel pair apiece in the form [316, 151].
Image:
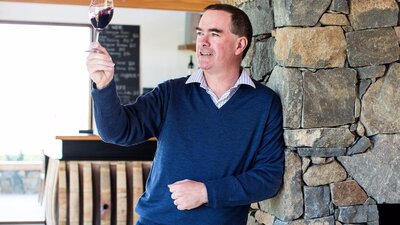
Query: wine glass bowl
[100, 14]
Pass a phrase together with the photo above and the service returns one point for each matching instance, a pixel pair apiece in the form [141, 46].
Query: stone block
[347, 193]
[329, 97]
[260, 13]
[372, 47]
[298, 12]
[293, 222]
[317, 175]
[361, 146]
[334, 19]
[288, 203]
[340, 137]
[287, 83]
[370, 72]
[317, 47]
[353, 214]
[397, 30]
[263, 60]
[316, 201]
[366, 14]
[321, 152]
[340, 6]
[373, 214]
[329, 220]
[264, 218]
[380, 104]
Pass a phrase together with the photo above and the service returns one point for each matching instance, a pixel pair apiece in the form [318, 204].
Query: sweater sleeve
[128, 124]
[264, 179]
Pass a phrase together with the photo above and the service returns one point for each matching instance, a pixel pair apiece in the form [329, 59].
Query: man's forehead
[215, 19]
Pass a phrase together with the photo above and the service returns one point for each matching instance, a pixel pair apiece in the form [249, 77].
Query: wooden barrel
[94, 192]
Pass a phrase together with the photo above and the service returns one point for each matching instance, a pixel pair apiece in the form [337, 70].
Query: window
[45, 85]
[44, 92]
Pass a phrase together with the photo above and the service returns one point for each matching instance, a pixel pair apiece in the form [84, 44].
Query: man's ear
[241, 45]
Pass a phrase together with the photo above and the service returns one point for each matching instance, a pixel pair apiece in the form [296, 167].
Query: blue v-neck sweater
[236, 151]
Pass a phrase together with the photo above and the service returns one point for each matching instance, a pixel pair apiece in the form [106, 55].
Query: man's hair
[241, 24]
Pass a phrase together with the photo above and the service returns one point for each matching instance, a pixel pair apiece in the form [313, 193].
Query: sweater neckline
[211, 104]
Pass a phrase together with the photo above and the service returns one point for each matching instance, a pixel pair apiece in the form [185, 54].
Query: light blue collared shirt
[198, 77]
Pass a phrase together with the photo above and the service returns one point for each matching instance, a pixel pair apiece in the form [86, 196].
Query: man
[219, 133]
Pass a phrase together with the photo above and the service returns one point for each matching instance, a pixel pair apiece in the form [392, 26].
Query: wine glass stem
[96, 35]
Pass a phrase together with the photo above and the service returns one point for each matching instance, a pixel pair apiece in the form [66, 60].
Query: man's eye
[199, 33]
[215, 34]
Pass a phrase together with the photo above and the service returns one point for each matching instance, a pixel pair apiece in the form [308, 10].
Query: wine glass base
[93, 51]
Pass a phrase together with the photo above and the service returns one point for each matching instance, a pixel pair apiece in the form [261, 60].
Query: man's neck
[219, 83]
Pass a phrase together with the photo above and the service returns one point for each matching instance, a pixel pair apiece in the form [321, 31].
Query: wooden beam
[184, 5]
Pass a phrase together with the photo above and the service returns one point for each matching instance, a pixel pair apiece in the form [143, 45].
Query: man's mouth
[205, 53]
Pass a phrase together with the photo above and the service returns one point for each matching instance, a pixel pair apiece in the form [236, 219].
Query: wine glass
[100, 14]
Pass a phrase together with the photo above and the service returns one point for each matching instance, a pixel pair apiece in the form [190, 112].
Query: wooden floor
[20, 209]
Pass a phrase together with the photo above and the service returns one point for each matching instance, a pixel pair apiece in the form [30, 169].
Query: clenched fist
[188, 194]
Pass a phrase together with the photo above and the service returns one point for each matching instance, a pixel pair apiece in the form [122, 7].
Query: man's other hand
[188, 194]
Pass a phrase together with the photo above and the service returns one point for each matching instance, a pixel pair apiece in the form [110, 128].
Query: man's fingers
[181, 181]
[100, 68]
[105, 64]
[173, 187]
[98, 57]
[181, 206]
[176, 195]
[96, 64]
[96, 47]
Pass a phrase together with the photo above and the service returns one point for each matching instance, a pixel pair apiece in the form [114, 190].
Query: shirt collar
[198, 77]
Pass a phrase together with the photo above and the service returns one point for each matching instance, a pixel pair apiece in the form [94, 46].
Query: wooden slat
[121, 216]
[96, 191]
[137, 185]
[129, 177]
[105, 194]
[50, 191]
[87, 193]
[73, 208]
[185, 5]
[62, 194]
[79, 137]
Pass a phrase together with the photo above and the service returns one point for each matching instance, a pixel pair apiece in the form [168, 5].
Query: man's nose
[204, 41]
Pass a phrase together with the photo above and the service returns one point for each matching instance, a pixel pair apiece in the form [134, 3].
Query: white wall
[161, 31]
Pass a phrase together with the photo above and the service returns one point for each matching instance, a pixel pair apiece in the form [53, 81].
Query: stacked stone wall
[335, 65]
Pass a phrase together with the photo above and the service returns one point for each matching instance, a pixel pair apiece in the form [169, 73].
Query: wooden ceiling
[184, 5]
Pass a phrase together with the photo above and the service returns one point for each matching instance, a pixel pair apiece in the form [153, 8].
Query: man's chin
[204, 67]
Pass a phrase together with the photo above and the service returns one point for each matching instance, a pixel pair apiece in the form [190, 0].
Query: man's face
[215, 44]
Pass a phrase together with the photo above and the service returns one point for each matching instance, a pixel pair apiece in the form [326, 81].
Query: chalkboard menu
[122, 43]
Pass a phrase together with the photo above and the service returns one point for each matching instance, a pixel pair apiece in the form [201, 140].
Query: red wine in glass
[100, 14]
[102, 18]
